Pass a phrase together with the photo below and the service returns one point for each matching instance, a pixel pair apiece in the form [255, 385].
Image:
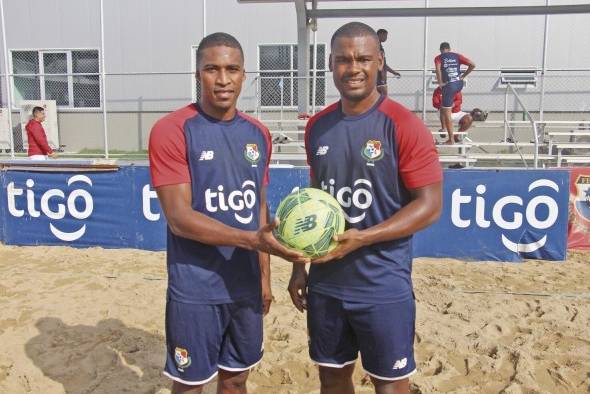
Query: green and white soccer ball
[309, 219]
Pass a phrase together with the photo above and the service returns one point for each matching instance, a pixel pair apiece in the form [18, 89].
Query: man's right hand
[53, 155]
[298, 287]
[264, 241]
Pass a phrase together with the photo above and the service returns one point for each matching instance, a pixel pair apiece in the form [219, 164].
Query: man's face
[40, 116]
[382, 37]
[221, 73]
[355, 62]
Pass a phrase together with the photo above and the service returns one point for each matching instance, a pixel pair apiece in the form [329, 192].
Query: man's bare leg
[391, 387]
[179, 388]
[336, 380]
[448, 122]
[232, 382]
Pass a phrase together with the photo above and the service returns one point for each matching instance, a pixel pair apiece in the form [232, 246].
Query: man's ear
[381, 61]
[330, 65]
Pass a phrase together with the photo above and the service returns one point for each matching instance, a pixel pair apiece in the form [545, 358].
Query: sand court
[92, 320]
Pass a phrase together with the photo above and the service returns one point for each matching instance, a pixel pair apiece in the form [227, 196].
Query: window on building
[278, 74]
[70, 77]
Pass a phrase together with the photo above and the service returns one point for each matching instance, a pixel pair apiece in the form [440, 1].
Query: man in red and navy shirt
[39, 149]
[379, 161]
[449, 77]
[209, 165]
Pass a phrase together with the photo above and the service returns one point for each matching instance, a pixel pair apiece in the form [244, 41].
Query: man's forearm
[418, 214]
[264, 262]
[201, 228]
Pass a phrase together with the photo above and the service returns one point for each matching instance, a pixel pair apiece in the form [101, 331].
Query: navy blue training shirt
[369, 163]
[226, 164]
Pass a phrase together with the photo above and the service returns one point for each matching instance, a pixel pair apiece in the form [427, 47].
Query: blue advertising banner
[501, 215]
[487, 215]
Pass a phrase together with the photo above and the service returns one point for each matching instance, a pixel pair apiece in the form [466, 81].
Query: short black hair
[380, 31]
[215, 40]
[354, 29]
[445, 45]
[37, 109]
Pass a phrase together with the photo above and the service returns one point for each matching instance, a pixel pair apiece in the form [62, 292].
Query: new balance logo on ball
[322, 150]
[207, 155]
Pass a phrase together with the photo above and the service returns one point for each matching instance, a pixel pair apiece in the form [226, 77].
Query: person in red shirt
[39, 149]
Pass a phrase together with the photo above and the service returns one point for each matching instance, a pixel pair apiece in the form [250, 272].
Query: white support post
[315, 67]
[103, 84]
[506, 113]
[302, 57]
[7, 81]
[544, 66]
[424, 64]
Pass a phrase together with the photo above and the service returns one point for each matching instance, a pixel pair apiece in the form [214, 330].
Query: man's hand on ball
[348, 242]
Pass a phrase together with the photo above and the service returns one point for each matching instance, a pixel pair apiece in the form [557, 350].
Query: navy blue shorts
[201, 339]
[383, 333]
[448, 93]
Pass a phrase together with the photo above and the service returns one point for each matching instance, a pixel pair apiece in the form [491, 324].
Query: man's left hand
[348, 242]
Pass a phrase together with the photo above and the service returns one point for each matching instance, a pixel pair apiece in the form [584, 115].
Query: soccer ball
[309, 219]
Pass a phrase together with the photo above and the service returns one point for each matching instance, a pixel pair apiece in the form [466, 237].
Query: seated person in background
[464, 119]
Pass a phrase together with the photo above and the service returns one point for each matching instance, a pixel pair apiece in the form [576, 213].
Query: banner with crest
[579, 215]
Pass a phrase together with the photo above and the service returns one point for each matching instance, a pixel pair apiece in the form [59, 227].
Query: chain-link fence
[134, 101]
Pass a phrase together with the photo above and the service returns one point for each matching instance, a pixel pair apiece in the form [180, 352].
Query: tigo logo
[500, 218]
[61, 202]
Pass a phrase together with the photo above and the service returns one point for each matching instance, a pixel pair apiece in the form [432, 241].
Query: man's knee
[401, 386]
[232, 381]
[335, 376]
[179, 388]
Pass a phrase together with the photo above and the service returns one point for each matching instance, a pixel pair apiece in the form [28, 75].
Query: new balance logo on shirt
[207, 155]
[322, 150]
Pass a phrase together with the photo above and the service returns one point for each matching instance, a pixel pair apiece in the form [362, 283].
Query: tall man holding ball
[209, 165]
[379, 161]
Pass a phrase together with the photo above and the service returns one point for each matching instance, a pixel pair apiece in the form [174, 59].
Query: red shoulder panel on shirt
[167, 148]
[417, 156]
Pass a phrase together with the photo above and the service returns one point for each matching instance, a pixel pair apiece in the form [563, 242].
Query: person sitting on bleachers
[464, 119]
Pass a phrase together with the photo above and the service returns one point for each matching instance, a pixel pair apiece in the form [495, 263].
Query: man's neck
[217, 113]
[354, 108]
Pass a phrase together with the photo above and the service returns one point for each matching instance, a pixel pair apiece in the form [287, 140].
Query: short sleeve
[167, 154]
[464, 60]
[437, 60]
[418, 159]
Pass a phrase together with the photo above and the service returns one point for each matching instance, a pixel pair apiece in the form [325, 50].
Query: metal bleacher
[496, 142]
[560, 143]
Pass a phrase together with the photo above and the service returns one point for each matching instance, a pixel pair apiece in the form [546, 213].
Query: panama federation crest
[181, 358]
[372, 151]
[582, 201]
[252, 154]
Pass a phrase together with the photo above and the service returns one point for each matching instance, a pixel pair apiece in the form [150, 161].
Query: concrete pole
[302, 57]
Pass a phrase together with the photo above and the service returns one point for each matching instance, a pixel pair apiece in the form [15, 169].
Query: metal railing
[135, 100]
[509, 87]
